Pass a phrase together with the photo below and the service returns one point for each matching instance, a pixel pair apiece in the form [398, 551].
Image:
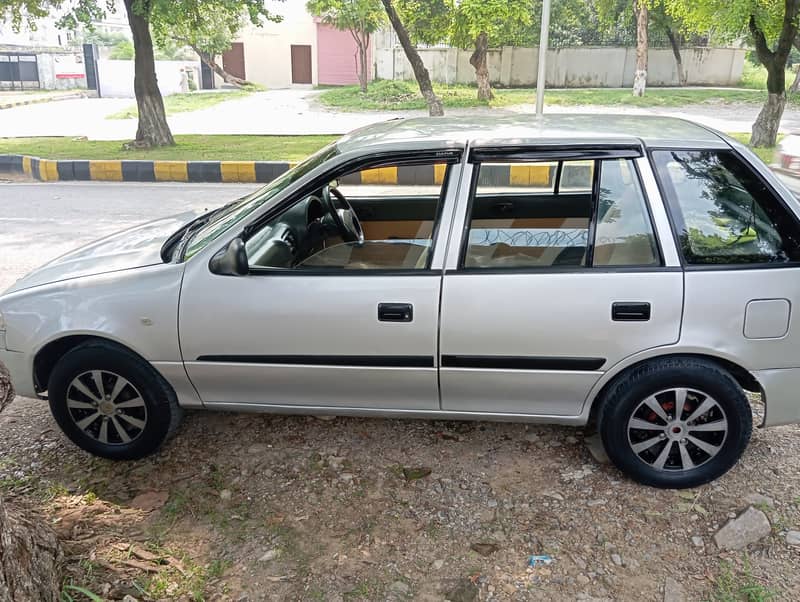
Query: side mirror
[230, 260]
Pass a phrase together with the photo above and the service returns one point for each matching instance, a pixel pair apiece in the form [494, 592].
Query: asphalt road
[40, 221]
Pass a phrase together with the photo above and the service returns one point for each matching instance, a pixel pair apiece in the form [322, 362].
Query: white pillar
[543, 38]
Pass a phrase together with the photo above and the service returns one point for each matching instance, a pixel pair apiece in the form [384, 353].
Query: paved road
[41, 221]
[296, 111]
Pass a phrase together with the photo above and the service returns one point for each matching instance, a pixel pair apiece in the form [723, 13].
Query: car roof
[527, 129]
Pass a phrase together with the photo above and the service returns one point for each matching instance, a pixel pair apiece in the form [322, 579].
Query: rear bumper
[781, 390]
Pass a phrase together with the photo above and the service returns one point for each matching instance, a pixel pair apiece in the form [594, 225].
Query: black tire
[623, 399]
[161, 411]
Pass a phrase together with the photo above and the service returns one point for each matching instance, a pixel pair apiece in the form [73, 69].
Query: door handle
[625, 311]
[395, 312]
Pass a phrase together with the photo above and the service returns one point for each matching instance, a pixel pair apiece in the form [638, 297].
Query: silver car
[638, 274]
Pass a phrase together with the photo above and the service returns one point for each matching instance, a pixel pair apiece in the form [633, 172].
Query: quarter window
[723, 212]
[559, 214]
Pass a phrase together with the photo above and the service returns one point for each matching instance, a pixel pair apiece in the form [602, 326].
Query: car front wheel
[112, 403]
[675, 422]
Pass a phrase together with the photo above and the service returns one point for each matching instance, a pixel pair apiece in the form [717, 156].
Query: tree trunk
[363, 73]
[795, 87]
[765, 129]
[478, 61]
[153, 129]
[30, 556]
[676, 51]
[435, 108]
[214, 66]
[640, 77]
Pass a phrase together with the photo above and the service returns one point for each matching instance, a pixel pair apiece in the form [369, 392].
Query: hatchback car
[635, 273]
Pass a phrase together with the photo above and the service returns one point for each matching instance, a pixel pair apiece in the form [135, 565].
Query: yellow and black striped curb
[48, 170]
[115, 170]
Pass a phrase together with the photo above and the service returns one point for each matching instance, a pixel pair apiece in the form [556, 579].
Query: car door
[350, 326]
[557, 276]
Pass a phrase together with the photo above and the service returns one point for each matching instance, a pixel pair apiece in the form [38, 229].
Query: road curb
[35, 101]
[122, 170]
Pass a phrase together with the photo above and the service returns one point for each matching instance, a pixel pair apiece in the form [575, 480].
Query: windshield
[238, 211]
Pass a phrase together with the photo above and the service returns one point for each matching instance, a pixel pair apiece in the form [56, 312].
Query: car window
[534, 215]
[372, 219]
[624, 233]
[723, 212]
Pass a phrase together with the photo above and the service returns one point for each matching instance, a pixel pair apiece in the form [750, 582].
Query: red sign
[70, 76]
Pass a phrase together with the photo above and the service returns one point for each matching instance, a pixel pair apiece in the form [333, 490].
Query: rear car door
[557, 275]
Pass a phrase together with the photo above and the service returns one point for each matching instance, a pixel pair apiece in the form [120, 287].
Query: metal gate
[18, 71]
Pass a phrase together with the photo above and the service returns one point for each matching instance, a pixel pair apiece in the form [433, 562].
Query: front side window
[377, 218]
[559, 214]
[723, 212]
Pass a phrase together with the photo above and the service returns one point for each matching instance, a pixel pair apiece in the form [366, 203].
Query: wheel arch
[741, 375]
[50, 353]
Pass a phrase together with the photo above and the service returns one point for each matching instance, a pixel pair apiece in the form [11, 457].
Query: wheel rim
[106, 407]
[677, 429]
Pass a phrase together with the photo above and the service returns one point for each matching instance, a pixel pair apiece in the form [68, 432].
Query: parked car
[633, 273]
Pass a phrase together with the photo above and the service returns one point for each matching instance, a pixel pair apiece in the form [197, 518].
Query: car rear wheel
[675, 422]
[111, 402]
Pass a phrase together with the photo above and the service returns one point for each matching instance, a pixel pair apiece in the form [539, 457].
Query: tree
[772, 27]
[206, 28]
[30, 555]
[640, 76]
[476, 22]
[152, 129]
[435, 108]
[361, 18]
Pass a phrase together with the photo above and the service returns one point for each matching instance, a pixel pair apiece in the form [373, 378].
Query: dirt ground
[257, 507]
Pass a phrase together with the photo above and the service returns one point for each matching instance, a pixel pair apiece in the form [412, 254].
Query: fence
[579, 67]
[116, 77]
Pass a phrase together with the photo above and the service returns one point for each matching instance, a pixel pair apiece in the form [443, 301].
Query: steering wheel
[343, 215]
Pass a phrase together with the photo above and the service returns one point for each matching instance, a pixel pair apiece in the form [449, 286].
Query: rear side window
[723, 213]
[578, 213]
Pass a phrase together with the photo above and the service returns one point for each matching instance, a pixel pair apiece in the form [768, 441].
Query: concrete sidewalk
[295, 112]
[10, 99]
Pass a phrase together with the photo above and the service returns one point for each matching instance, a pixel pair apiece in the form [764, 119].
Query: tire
[143, 413]
[700, 450]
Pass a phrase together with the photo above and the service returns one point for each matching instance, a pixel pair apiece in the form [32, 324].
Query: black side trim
[505, 362]
[555, 152]
[381, 361]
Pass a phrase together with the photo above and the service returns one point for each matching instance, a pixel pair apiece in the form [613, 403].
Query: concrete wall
[61, 71]
[116, 77]
[595, 67]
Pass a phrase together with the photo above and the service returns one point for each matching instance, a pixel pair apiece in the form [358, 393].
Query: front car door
[320, 320]
[557, 276]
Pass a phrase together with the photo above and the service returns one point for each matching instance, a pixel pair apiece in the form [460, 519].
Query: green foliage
[501, 20]
[122, 51]
[427, 21]
[207, 26]
[728, 19]
[363, 16]
[740, 586]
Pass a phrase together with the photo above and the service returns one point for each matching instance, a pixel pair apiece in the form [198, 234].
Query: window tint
[395, 207]
[724, 214]
[539, 214]
[624, 234]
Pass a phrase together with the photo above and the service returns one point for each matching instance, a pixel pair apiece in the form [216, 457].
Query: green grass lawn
[402, 95]
[767, 155]
[182, 103]
[193, 147]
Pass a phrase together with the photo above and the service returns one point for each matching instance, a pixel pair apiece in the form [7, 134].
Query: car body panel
[132, 248]
[113, 289]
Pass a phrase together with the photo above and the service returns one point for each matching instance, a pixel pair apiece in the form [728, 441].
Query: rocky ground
[252, 507]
